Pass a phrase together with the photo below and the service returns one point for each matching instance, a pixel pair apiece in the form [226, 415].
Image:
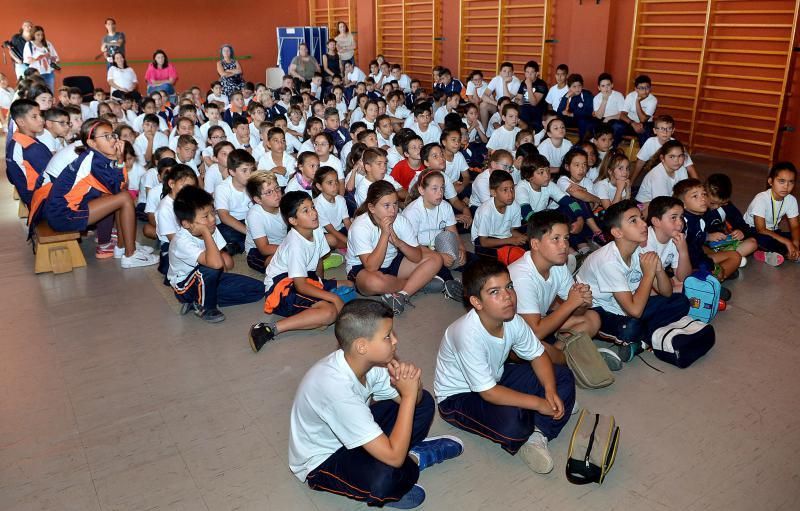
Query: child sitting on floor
[497, 219]
[266, 229]
[768, 209]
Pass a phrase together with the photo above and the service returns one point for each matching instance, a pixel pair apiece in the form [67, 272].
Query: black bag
[684, 341]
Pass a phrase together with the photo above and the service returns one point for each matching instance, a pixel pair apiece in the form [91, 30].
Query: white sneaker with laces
[138, 260]
[536, 454]
[118, 251]
[147, 249]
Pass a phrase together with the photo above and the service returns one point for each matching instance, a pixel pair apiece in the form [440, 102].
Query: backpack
[509, 253]
[702, 289]
[585, 362]
[592, 448]
[682, 342]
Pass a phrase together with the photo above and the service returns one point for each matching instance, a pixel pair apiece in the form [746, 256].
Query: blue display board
[289, 39]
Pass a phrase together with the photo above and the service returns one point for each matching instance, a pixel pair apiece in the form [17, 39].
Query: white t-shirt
[614, 105]
[428, 223]
[363, 184]
[535, 294]
[439, 115]
[135, 176]
[261, 223]
[657, 183]
[496, 87]
[123, 77]
[212, 179]
[453, 169]
[61, 159]
[148, 184]
[331, 410]
[166, 221]
[356, 75]
[139, 120]
[494, 119]
[564, 183]
[770, 210]
[538, 201]
[604, 189]
[267, 163]
[555, 94]
[296, 256]
[184, 251]
[218, 98]
[207, 126]
[476, 91]
[502, 138]
[606, 273]
[393, 157]
[331, 213]
[401, 112]
[295, 186]
[470, 359]
[229, 198]
[363, 235]
[649, 105]
[52, 142]
[489, 222]
[667, 252]
[555, 155]
[336, 164]
[140, 145]
[153, 199]
[431, 135]
[449, 188]
[651, 147]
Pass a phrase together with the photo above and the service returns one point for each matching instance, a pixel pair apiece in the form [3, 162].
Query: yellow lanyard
[775, 219]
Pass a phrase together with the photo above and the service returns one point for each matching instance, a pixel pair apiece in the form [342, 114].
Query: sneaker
[188, 307]
[536, 454]
[436, 285]
[454, 290]
[769, 258]
[743, 263]
[138, 260]
[611, 358]
[437, 449]
[414, 498]
[334, 260]
[105, 251]
[394, 301]
[118, 251]
[260, 334]
[212, 316]
[147, 249]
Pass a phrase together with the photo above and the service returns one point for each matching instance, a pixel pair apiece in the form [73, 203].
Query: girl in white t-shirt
[613, 182]
[266, 228]
[663, 177]
[154, 194]
[555, 144]
[573, 181]
[767, 210]
[383, 255]
[303, 178]
[323, 145]
[476, 87]
[331, 207]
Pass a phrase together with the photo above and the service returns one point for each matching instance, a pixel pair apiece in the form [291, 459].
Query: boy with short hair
[607, 104]
[360, 417]
[664, 128]
[666, 238]
[217, 96]
[214, 115]
[26, 157]
[149, 107]
[76, 99]
[295, 283]
[637, 113]
[517, 405]
[504, 136]
[232, 202]
[197, 263]
[275, 157]
[406, 170]
[504, 85]
[496, 220]
[558, 90]
[622, 276]
[266, 229]
[185, 153]
[575, 108]
[423, 126]
[241, 132]
[218, 170]
[235, 109]
[333, 127]
[56, 129]
[548, 298]
[150, 139]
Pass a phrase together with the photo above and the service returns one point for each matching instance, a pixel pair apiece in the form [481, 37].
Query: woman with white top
[122, 79]
[40, 54]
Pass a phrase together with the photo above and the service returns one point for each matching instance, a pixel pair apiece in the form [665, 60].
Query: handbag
[592, 448]
[586, 363]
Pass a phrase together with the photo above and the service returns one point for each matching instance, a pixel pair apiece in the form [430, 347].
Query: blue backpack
[702, 289]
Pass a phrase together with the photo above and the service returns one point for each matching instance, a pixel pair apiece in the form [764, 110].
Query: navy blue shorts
[283, 299]
[393, 268]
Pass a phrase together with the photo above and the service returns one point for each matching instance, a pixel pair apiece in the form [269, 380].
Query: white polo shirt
[288, 162]
[614, 105]
[363, 184]
[491, 223]
[470, 359]
[605, 190]
[772, 211]
[166, 221]
[496, 87]
[261, 223]
[140, 145]
[503, 138]
[606, 273]
[453, 169]
[657, 183]
[667, 252]
[535, 294]
[363, 235]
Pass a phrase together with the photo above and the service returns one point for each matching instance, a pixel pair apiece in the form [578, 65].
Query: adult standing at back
[229, 70]
[40, 54]
[17, 47]
[160, 74]
[113, 42]
[345, 44]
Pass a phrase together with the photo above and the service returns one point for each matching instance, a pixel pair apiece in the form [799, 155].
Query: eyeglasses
[271, 192]
[108, 136]
[505, 166]
[643, 87]
[665, 130]
[218, 137]
[63, 123]
[321, 144]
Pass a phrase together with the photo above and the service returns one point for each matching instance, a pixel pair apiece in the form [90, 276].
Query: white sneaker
[536, 454]
[138, 260]
[118, 252]
[743, 263]
[147, 249]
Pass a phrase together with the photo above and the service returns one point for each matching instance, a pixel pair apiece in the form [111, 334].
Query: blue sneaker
[415, 497]
[437, 449]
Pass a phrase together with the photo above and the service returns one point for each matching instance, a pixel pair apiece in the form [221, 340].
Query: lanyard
[775, 219]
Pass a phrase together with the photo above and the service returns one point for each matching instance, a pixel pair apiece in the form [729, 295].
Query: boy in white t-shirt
[548, 298]
[266, 229]
[232, 202]
[666, 238]
[520, 403]
[622, 276]
[496, 220]
[560, 89]
[360, 417]
[608, 103]
[295, 283]
[198, 265]
[504, 137]
[56, 129]
[504, 85]
[637, 113]
[150, 140]
[664, 128]
[427, 130]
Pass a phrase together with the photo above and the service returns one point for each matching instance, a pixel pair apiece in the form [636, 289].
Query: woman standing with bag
[40, 54]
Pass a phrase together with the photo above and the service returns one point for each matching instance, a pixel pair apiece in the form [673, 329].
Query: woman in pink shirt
[160, 74]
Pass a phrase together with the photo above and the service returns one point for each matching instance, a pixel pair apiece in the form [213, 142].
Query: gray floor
[109, 400]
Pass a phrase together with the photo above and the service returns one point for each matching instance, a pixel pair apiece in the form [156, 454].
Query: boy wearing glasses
[640, 106]
[56, 129]
[266, 229]
[664, 129]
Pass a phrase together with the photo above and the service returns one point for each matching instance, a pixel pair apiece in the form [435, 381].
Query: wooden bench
[22, 210]
[56, 252]
[15, 195]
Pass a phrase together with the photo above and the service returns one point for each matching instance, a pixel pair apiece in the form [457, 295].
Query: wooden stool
[57, 252]
[633, 146]
[22, 211]
[15, 195]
